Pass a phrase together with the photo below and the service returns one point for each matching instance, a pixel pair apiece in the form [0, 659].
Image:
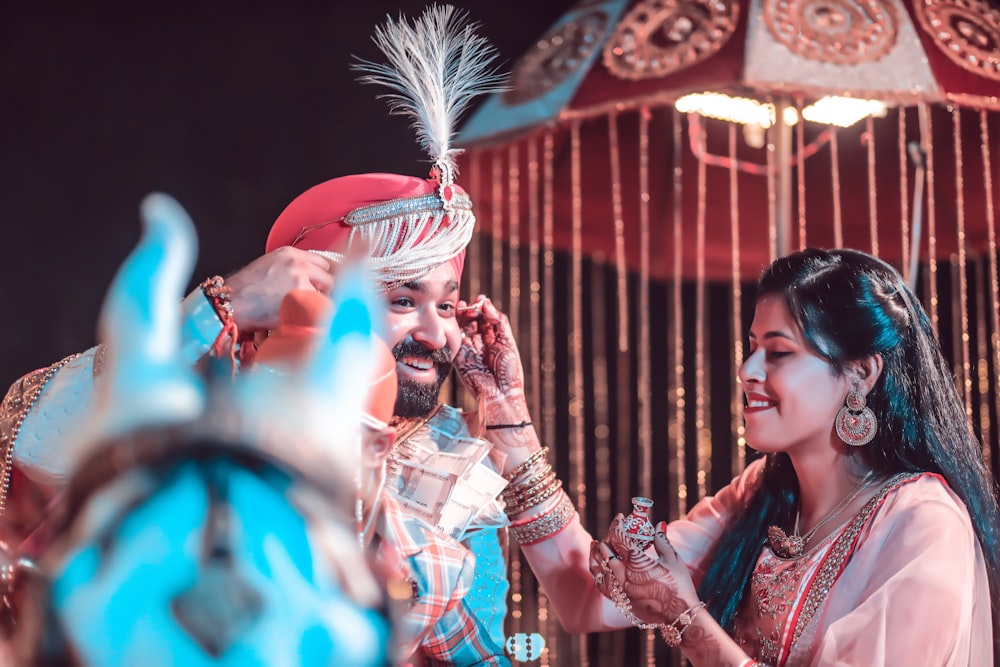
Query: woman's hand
[489, 363]
[655, 587]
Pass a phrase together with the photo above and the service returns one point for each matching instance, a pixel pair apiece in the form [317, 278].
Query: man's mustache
[411, 348]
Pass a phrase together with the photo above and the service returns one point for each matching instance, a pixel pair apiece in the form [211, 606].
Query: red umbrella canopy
[605, 64]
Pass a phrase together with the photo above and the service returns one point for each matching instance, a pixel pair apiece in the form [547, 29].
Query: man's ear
[378, 446]
[867, 372]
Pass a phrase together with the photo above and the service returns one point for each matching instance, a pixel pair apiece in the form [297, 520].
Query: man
[436, 471]
[428, 574]
[412, 233]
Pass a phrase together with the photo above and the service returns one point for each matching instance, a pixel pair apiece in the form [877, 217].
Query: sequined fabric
[763, 624]
[787, 595]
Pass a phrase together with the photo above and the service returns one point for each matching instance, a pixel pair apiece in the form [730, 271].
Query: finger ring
[599, 579]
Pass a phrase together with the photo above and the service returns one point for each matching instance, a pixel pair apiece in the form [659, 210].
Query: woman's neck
[824, 481]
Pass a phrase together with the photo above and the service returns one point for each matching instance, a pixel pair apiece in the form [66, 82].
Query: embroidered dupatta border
[15, 407]
[836, 560]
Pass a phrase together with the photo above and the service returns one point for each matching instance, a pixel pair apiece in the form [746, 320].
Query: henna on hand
[489, 363]
[700, 647]
[660, 588]
[653, 589]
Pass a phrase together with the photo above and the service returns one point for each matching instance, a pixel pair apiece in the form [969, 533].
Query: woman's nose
[752, 369]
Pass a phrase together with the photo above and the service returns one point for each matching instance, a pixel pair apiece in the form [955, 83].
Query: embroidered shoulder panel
[20, 398]
[836, 559]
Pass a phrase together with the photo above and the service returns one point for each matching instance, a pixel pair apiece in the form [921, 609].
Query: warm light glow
[734, 109]
[840, 111]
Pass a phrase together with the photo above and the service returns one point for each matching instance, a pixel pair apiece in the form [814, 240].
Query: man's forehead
[428, 284]
[441, 280]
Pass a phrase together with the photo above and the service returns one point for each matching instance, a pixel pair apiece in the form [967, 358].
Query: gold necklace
[406, 428]
[793, 546]
[403, 449]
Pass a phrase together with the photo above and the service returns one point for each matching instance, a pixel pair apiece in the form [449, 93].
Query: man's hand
[259, 287]
[489, 363]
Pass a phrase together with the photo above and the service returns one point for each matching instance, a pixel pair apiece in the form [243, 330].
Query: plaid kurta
[439, 628]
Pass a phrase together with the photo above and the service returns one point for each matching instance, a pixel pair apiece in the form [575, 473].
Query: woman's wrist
[673, 632]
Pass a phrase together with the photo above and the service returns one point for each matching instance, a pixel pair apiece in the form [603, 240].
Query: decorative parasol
[602, 60]
[652, 156]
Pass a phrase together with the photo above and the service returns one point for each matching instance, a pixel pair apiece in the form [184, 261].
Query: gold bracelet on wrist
[673, 633]
[518, 493]
[527, 463]
[532, 479]
[554, 487]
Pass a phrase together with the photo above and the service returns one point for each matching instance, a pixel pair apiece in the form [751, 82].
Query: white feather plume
[435, 67]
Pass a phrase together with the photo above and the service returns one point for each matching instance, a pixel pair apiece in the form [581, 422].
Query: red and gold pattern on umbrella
[660, 37]
[833, 31]
[966, 31]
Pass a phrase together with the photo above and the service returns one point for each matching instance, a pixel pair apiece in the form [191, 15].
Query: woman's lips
[756, 403]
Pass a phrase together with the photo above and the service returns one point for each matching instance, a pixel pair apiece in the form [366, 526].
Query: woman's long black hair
[850, 305]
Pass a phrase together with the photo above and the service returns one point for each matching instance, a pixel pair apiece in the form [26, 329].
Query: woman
[868, 534]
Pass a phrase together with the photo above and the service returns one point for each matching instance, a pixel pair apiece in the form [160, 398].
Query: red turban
[404, 224]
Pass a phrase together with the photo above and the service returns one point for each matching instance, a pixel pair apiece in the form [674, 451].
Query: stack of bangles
[533, 484]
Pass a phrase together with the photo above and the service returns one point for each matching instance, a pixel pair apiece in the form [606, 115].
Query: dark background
[232, 108]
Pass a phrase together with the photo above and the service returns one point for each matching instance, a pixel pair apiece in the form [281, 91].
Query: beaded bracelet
[219, 294]
[545, 526]
[673, 633]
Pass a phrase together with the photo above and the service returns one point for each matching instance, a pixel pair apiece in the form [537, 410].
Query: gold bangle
[527, 463]
[516, 494]
[554, 487]
[540, 472]
[537, 495]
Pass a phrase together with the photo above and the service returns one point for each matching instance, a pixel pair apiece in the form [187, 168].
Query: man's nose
[430, 331]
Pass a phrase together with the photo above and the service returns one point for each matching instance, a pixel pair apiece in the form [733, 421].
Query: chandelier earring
[856, 424]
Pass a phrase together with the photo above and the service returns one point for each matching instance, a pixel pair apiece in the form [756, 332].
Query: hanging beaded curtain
[626, 247]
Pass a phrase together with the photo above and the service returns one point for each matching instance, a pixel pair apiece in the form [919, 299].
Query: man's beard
[418, 399]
